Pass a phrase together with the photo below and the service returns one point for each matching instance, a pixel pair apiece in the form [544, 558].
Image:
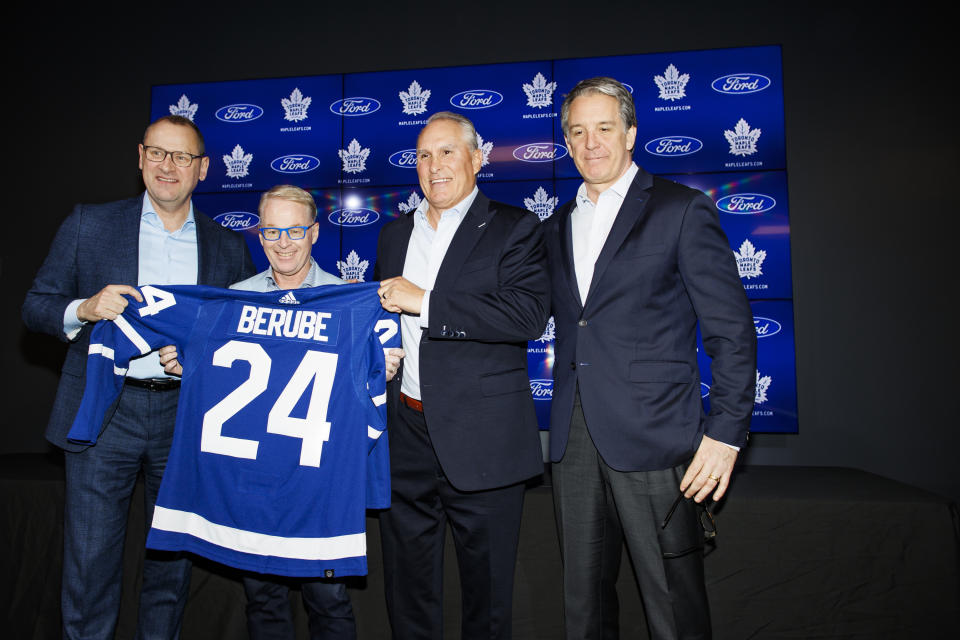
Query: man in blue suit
[469, 277]
[636, 263]
[98, 253]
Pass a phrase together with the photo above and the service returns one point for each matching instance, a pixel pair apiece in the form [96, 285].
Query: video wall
[710, 119]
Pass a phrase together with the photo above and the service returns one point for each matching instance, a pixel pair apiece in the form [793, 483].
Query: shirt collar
[310, 281]
[148, 213]
[618, 188]
[457, 211]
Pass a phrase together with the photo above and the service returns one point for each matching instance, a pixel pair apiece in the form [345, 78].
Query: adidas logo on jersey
[288, 298]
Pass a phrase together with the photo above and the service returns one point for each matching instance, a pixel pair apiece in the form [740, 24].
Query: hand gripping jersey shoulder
[279, 445]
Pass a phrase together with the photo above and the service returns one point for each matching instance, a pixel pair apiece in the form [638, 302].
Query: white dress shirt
[591, 224]
[425, 253]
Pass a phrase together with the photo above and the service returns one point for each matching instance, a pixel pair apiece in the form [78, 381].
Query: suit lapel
[397, 255]
[472, 226]
[566, 249]
[634, 204]
[129, 236]
[208, 248]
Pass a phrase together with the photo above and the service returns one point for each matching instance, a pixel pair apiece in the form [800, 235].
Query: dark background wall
[872, 152]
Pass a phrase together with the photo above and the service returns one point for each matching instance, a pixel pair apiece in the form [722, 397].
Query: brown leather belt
[413, 403]
[154, 384]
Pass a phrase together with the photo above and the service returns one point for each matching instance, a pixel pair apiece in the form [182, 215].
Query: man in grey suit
[98, 254]
[637, 264]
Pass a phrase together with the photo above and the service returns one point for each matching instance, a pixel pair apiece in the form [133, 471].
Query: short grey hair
[607, 87]
[292, 194]
[469, 131]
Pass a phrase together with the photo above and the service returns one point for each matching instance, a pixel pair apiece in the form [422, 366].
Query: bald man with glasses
[98, 254]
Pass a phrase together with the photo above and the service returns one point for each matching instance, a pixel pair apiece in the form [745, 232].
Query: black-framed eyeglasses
[272, 234]
[707, 523]
[159, 154]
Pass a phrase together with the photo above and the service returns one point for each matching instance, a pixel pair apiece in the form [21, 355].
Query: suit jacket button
[582, 323]
[573, 365]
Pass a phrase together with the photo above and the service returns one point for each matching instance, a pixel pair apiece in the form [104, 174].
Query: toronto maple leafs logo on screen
[541, 204]
[743, 139]
[295, 107]
[411, 204]
[549, 332]
[414, 99]
[238, 163]
[354, 157]
[749, 260]
[539, 92]
[353, 268]
[763, 385]
[672, 84]
[485, 148]
[184, 108]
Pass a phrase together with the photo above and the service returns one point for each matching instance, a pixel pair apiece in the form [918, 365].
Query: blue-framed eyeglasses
[272, 234]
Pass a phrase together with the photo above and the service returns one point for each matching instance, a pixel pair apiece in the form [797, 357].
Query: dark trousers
[99, 483]
[598, 508]
[485, 527]
[269, 616]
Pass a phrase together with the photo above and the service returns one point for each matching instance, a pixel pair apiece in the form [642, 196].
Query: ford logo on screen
[673, 146]
[406, 159]
[704, 390]
[358, 106]
[239, 113]
[237, 220]
[353, 217]
[540, 152]
[766, 327]
[541, 389]
[476, 99]
[740, 83]
[294, 163]
[746, 203]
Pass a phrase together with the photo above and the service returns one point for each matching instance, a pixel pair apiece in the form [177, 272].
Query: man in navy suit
[469, 277]
[98, 253]
[636, 263]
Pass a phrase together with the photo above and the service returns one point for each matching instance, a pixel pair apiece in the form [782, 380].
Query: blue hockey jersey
[279, 445]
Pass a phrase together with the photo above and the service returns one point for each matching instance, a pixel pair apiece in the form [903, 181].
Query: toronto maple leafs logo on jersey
[354, 157]
[352, 269]
[672, 84]
[749, 260]
[541, 203]
[238, 163]
[414, 99]
[411, 204]
[540, 92]
[295, 107]
[743, 139]
[184, 108]
[485, 148]
[549, 332]
[763, 384]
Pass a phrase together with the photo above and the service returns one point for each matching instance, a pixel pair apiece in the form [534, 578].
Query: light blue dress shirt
[264, 281]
